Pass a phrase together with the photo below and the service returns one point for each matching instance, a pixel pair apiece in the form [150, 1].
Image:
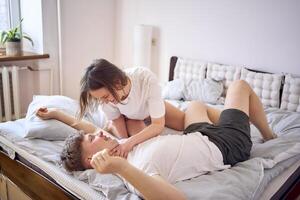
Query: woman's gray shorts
[231, 135]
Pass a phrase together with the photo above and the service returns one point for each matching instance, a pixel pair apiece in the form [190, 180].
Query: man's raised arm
[45, 113]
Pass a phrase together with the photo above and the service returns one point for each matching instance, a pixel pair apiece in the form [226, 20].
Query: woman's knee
[134, 126]
[174, 117]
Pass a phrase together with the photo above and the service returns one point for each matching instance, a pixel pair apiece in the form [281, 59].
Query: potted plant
[13, 40]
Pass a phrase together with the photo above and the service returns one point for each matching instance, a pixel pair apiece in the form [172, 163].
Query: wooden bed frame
[37, 185]
[291, 188]
[33, 183]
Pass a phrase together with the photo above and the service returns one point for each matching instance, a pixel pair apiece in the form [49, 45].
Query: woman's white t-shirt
[176, 157]
[144, 98]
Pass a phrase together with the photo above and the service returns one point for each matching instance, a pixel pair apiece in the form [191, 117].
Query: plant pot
[13, 48]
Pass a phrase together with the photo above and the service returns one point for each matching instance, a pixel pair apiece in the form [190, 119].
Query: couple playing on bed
[149, 164]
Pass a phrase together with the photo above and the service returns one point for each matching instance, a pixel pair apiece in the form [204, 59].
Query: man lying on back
[212, 140]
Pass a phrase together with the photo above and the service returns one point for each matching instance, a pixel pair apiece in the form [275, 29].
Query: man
[212, 140]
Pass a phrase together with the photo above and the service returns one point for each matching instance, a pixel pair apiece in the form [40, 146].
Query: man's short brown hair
[71, 155]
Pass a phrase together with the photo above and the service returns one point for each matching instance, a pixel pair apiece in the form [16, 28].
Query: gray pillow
[54, 129]
[206, 90]
[173, 90]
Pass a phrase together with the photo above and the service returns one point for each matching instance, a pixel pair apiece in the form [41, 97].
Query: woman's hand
[103, 163]
[124, 149]
[45, 113]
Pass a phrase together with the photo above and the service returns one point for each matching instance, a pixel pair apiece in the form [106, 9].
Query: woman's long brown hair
[100, 74]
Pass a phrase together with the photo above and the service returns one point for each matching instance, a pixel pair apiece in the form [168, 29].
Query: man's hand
[103, 163]
[45, 113]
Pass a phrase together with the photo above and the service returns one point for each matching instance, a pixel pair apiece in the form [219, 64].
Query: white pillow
[206, 90]
[291, 94]
[54, 129]
[225, 73]
[11, 129]
[188, 69]
[173, 90]
[266, 86]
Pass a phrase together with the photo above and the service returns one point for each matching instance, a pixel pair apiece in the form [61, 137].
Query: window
[4, 16]
[9, 13]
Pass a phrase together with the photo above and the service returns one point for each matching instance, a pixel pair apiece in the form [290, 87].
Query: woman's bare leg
[174, 117]
[241, 96]
[134, 126]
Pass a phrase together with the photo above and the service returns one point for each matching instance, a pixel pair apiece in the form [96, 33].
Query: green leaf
[18, 36]
[13, 31]
[2, 37]
[28, 38]
[10, 35]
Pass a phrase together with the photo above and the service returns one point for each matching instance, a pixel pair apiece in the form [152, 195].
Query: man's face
[92, 143]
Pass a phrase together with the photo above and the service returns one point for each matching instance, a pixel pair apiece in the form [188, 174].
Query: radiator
[10, 95]
[10, 105]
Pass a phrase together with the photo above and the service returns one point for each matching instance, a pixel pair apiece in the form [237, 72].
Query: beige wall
[87, 33]
[257, 34]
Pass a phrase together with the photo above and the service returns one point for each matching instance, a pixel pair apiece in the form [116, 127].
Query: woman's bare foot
[274, 135]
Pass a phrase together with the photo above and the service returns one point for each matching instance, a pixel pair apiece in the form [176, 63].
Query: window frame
[14, 12]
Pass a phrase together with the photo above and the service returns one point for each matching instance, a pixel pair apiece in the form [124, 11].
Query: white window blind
[4, 15]
[9, 14]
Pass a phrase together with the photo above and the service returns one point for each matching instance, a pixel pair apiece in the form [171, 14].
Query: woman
[129, 98]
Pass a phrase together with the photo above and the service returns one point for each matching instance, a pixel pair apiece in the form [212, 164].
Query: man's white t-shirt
[144, 98]
[176, 157]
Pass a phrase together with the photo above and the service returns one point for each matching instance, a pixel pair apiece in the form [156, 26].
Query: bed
[287, 184]
[33, 164]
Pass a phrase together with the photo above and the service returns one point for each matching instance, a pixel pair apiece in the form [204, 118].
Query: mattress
[279, 182]
[275, 180]
[275, 168]
[35, 152]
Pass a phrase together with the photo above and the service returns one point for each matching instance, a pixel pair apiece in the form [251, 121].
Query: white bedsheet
[45, 155]
[269, 160]
[277, 155]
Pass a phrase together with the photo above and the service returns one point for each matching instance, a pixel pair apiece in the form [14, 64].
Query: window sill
[23, 56]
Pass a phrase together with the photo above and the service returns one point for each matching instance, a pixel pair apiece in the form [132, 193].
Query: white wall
[258, 34]
[87, 33]
[31, 11]
[50, 45]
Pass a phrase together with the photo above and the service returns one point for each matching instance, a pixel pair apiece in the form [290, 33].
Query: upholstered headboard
[268, 86]
[173, 61]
